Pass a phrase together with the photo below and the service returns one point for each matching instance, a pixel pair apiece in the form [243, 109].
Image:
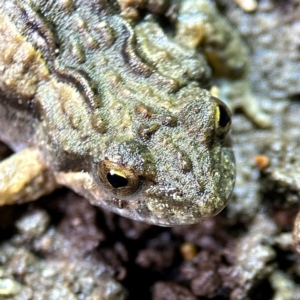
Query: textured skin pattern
[116, 108]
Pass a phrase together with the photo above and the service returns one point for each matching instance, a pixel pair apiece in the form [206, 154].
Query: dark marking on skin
[81, 81]
[78, 78]
[35, 24]
[129, 55]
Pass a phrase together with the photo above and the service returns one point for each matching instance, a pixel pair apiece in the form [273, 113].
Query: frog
[113, 100]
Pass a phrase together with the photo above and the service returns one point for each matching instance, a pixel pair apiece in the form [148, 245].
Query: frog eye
[222, 118]
[118, 179]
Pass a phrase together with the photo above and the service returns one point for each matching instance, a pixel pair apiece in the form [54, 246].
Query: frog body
[114, 108]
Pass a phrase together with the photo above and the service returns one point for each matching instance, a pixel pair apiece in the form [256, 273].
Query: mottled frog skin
[96, 96]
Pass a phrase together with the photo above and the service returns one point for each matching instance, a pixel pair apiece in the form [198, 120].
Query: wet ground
[61, 247]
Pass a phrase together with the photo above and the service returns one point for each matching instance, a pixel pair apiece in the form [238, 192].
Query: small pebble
[247, 5]
[262, 162]
[33, 224]
[188, 251]
[9, 287]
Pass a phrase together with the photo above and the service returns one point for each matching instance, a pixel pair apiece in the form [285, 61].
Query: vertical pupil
[116, 181]
[224, 117]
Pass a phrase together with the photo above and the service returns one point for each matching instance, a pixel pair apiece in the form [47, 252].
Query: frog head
[174, 172]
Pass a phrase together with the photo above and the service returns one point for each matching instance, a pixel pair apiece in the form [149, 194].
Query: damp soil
[61, 247]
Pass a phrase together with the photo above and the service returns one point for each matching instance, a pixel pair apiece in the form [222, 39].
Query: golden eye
[118, 179]
[222, 118]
